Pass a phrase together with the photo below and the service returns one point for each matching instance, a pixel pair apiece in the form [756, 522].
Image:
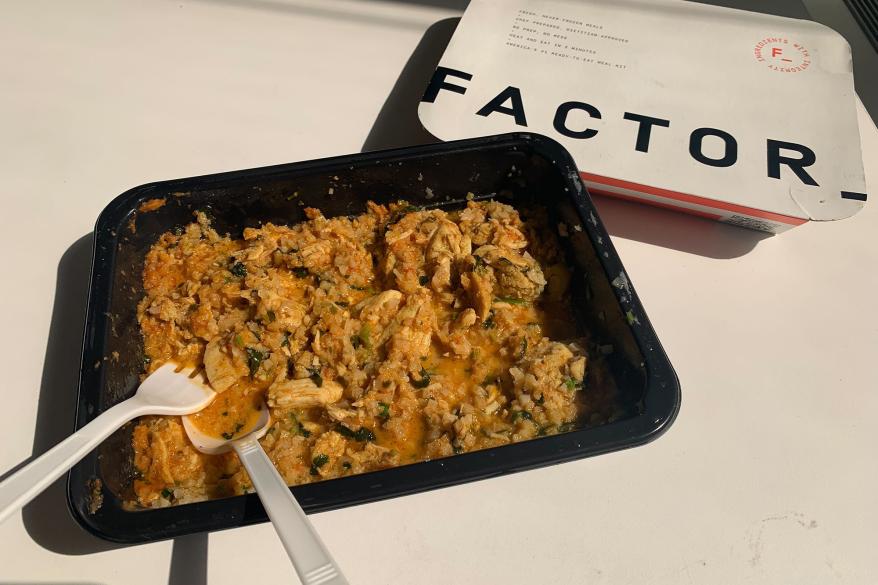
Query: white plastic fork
[169, 390]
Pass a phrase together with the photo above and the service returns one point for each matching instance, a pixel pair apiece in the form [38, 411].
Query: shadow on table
[46, 518]
[398, 125]
[675, 230]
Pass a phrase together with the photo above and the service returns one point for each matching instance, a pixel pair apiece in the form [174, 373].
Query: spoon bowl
[212, 445]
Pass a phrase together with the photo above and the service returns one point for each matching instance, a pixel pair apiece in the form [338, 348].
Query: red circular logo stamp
[782, 54]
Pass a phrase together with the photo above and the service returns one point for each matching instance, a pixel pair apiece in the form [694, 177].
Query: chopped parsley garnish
[631, 318]
[362, 434]
[286, 340]
[512, 300]
[457, 449]
[366, 335]
[346, 464]
[356, 341]
[424, 381]
[316, 377]
[523, 414]
[300, 271]
[319, 462]
[167, 494]
[239, 341]
[255, 359]
[384, 410]
[297, 426]
[489, 322]
[423, 280]
[238, 269]
[571, 384]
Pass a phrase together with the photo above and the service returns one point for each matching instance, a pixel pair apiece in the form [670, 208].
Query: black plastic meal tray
[520, 169]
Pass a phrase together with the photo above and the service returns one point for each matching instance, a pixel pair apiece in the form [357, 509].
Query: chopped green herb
[365, 335]
[362, 434]
[238, 270]
[523, 414]
[571, 384]
[147, 360]
[539, 401]
[384, 410]
[511, 301]
[480, 262]
[424, 381]
[631, 318]
[457, 449]
[346, 464]
[423, 280]
[489, 322]
[239, 341]
[319, 462]
[300, 271]
[297, 426]
[356, 341]
[167, 494]
[541, 432]
[228, 436]
[286, 341]
[255, 359]
[316, 377]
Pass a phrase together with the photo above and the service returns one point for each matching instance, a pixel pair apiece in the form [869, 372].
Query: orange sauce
[232, 414]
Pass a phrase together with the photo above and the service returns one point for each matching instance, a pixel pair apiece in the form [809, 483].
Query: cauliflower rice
[396, 336]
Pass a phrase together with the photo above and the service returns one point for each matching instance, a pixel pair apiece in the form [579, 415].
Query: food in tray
[399, 335]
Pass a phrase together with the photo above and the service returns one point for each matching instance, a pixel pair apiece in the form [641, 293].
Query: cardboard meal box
[741, 117]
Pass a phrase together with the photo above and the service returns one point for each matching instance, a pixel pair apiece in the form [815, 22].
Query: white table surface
[768, 476]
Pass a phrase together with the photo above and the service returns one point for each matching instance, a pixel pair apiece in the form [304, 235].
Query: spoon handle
[23, 485]
[310, 558]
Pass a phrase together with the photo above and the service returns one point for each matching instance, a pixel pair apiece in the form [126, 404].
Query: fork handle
[23, 485]
[312, 561]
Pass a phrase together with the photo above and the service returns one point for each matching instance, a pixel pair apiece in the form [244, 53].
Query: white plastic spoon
[309, 556]
[165, 391]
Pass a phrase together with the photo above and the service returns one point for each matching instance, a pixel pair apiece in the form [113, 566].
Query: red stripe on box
[693, 199]
[654, 203]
